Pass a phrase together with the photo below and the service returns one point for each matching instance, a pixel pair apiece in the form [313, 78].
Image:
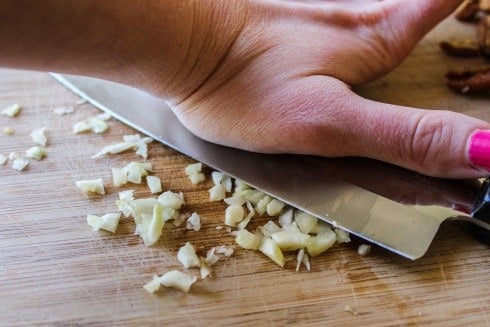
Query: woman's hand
[263, 75]
[283, 85]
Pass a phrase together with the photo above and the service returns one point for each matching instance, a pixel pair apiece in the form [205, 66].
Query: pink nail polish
[479, 149]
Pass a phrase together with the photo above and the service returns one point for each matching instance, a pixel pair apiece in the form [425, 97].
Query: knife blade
[315, 185]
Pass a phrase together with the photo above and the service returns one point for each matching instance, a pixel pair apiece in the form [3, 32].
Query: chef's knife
[320, 186]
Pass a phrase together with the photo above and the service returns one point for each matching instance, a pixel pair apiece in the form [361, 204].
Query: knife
[334, 190]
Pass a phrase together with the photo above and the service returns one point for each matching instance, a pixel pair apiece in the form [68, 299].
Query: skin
[262, 75]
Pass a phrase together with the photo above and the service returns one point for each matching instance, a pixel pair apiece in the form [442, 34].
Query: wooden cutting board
[54, 270]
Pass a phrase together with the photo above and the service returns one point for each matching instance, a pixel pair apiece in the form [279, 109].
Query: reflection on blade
[320, 186]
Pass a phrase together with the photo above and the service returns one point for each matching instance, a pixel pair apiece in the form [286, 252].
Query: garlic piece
[305, 221]
[108, 222]
[119, 176]
[172, 200]
[269, 248]
[60, 111]
[91, 186]
[8, 130]
[36, 153]
[20, 164]
[3, 159]
[12, 110]
[194, 222]
[247, 240]
[234, 215]
[153, 285]
[178, 280]
[320, 243]
[187, 256]
[364, 249]
[288, 240]
[39, 137]
[154, 183]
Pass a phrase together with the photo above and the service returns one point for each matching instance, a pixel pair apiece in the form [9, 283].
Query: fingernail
[479, 149]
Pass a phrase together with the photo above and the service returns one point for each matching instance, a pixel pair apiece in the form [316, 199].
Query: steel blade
[308, 183]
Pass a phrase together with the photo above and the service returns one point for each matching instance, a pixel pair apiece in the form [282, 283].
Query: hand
[283, 85]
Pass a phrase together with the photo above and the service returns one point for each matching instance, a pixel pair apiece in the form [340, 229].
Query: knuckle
[429, 141]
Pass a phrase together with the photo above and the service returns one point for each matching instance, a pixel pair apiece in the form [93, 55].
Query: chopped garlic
[241, 186]
[187, 256]
[135, 171]
[153, 285]
[320, 243]
[115, 149]
[108, 222]
[236, 200]
[12, 110]
[247, 240]
[39, 137]
[254, 196]
[234, 215]
[288, 240]
[304, 259]
[286, 218]
[226, 250]
[91, 186]
[124, 202]
[178, 280]
[217, 192]
[127, 195]
[36, 153]
[63, 110]
[172, 200]
[305, 221]
[251, 212]
[342, 236]
[217, 177]
[20, 164]
[8, 130]
[320, 228]
[197, 178]
[211, 257]
[119, 176]
[3, 159]
[131, 142]
[269, 228]
[261, 206]
[179, 218]
[364, 249]
[154, 183]
[13, 156]
[274, 207]
[193, 168]
[194, 222]
[269, 248]
[204, 270]
[97, 124]
[155, 227]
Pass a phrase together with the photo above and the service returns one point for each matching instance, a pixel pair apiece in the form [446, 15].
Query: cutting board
[54, 270]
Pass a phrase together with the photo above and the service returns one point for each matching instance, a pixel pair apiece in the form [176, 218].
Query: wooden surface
[55, 271]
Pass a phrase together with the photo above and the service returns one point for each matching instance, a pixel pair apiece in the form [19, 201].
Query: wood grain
[55, 271]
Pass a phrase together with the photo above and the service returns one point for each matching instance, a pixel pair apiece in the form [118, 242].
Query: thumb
[433, 142]
[420, 16]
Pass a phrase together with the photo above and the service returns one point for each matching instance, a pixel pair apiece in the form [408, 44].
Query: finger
[420, 16]
[431, 142]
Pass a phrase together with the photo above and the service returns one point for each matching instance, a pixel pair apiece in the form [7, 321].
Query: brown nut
[469, 11]
[469, 81]
[461, 47]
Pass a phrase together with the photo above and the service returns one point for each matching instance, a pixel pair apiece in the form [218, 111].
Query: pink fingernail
[479, 149]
